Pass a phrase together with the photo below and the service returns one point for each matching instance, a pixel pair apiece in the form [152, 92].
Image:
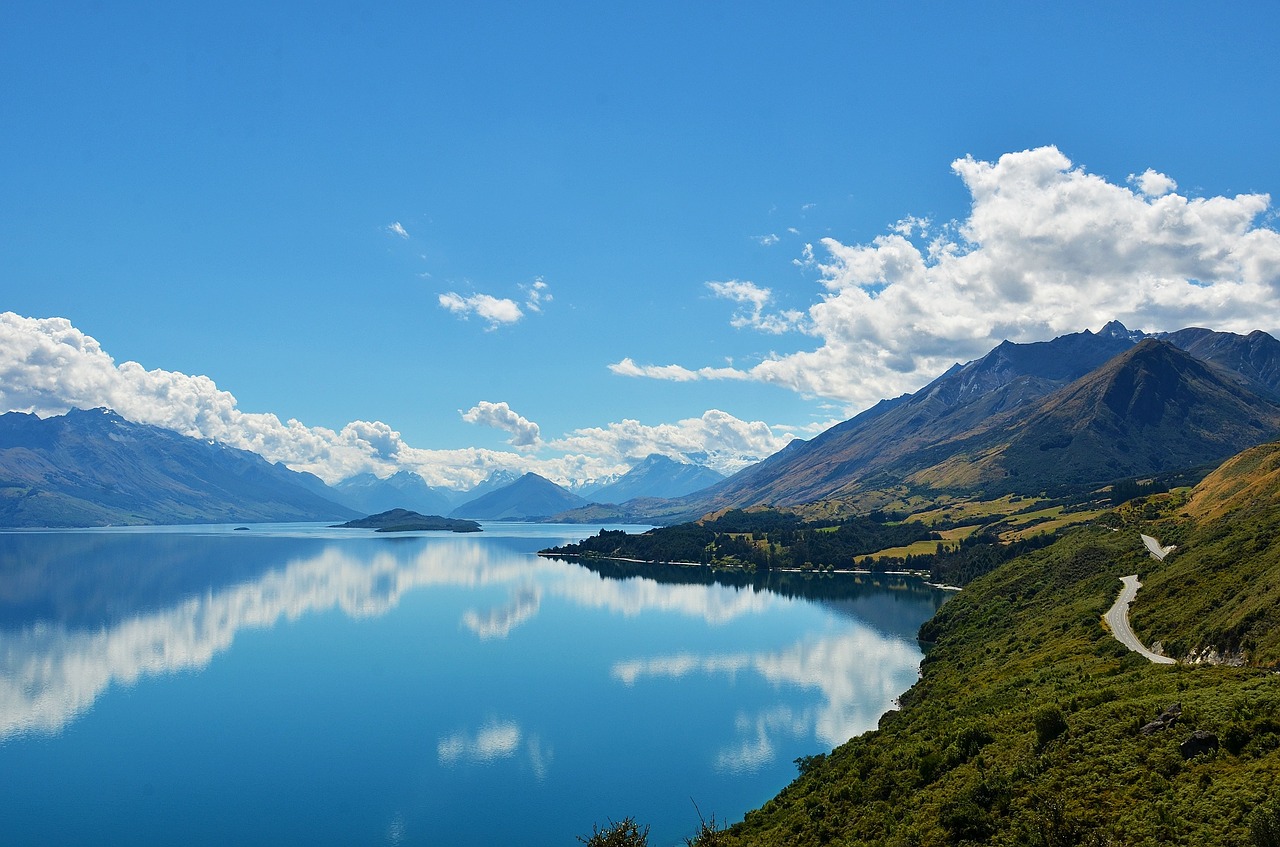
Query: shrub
[1049, 724]
[623, 833]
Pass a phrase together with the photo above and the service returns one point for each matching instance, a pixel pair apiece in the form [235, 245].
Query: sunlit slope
[1025, 727]
[1217, 597]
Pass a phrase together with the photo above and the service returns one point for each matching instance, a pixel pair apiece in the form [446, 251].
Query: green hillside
[1025, 728]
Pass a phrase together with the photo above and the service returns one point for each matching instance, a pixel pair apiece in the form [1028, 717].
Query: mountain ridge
[93, 467]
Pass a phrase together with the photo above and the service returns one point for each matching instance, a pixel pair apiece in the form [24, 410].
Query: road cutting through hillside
[1117, 617]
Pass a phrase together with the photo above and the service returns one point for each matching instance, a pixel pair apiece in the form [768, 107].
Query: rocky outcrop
[1166, 719]
[1199, 743]
[1210, 655]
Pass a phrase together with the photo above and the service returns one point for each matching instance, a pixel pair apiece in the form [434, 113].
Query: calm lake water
[294, 684]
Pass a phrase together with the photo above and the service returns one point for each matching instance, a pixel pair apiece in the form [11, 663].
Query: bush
[623, 833]
[1264, 825]
[1049, 724]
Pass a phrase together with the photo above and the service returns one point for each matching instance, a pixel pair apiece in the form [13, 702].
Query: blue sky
[315, 205]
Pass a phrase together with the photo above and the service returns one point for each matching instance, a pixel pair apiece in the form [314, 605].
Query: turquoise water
[295, 684]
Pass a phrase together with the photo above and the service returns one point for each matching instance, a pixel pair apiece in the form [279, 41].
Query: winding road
[1117, 618]
[1157, 552]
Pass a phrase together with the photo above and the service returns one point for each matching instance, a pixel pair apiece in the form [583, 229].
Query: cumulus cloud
[1047, 248]
[525, 434]
[766, 240]
[497, 311]
[716, 439]
[47, 367]
[397, 229]
[1152, 183]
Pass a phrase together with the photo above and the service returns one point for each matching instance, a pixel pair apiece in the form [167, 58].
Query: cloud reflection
[854, 691]
[51, 673]
[499, 622]
[494, 741]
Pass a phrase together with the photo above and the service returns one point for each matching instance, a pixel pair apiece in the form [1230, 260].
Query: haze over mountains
[1081, 410]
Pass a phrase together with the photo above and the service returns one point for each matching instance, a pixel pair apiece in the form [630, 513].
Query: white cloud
[717, 439]
[1152, 183]
[397, 229]
[1047, 249]
[47, 367]
[495, 310]
[535, 294]
[525, 434]
[755, 299]
[766, 240]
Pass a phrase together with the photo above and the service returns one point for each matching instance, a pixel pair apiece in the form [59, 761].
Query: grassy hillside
[1025, 726]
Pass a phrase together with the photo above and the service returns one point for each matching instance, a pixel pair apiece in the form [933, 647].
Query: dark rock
[1199, 742]
[1164, 720]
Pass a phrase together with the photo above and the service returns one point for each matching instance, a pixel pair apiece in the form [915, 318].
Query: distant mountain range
[1074, 413]
[402, 490]
[655, 476]
[92, 468]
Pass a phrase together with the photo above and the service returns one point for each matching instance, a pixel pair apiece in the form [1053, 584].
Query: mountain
[92, 468]
[965, 397]
[1151, 409]
[1255, 357]
[655, 476]
[531, 496]
[940, 433]
[494, 481]
[402, 490]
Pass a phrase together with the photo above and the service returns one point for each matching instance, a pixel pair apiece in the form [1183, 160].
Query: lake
[296, 684]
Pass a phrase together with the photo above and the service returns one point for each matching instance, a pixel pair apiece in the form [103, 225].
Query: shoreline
[921, 575]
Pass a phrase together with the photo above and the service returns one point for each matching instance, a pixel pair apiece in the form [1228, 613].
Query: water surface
[298, 684]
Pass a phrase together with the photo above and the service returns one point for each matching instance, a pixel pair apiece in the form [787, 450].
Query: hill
[93, 468]
[403, 520]
[528, 498]
[1029, 723]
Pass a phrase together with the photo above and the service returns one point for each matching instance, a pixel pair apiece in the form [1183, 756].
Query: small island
[403, 520]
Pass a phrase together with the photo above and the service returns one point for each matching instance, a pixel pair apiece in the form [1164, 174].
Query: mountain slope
[1007, 378]
[1153, 408]
[530, 496]
[89, 468]
[946, 432]
[1254, 357]
[1025, 727]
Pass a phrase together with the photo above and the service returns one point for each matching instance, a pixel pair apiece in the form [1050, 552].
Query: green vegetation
[1025, 726]
[755, 540]
[1032, 726]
